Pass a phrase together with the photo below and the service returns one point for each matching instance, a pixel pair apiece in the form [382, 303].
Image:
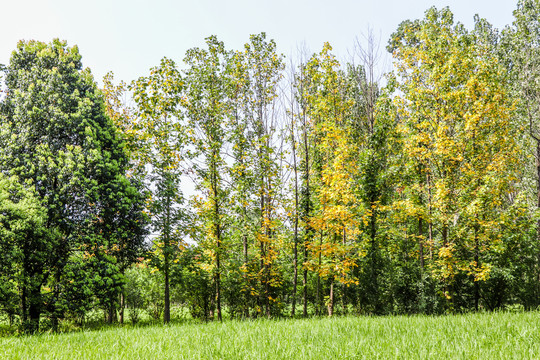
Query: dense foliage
[261, 188]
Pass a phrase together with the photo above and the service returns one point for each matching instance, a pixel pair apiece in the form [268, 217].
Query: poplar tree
[263, 72]
[337, 214]
[457, 112]
[207, 94]
[158, 99]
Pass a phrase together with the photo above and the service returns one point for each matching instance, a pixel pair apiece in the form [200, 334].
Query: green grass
[471, 336]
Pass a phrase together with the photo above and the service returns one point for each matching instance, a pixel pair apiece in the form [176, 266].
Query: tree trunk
[214, 175]
[34, 309]
[421, 244]
[261, 296]
[318, 297]
[343, 286]
[24, 296]
[304, 284]
[295, 248]
[446, 282]
[246, 284]
[218, 286]
[445, 235]
[122, 305]
[166, 249]
[295, 275]
[331, 299]
[167, 310]
[110, 313]
[269, 235]
[430, 225]
[374, 260]
[212, 305]
[307, 209]
[538, 207]
[477, 260]
[263, 261]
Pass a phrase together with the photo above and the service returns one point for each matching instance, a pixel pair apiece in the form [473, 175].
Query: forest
[241, 184]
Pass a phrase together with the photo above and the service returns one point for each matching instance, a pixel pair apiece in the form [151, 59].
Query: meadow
[500, 335]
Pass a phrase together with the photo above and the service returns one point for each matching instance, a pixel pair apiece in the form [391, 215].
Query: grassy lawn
[472, 336]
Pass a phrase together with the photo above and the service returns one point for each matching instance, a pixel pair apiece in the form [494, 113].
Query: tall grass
[471, 336]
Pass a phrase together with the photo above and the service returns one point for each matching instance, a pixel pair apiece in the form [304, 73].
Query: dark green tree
[57, 136]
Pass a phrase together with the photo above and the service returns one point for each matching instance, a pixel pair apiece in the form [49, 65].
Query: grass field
[471, 336]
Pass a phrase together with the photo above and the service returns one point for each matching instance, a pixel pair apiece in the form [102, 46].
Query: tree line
[319, 187]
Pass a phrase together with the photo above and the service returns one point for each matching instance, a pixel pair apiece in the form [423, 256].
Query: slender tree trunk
[307, 214]
[374, 260]
[319, 264]
[295, 246]
[34, 308]
[262, 296]
[343, 286]
[245, 244]
[538, 207]
[317, 295]
[24, 296]
[445, 234]
[421, 244]
[122, 305]
[110, 313]
[212, 307]
[331, 299]
[263, 274]
[477, 260]
[167, 310]
[295, 275]
[218, 281]
[304, 284]
[166, 248]
[430, 224]
[269, 235]
[446, 282]
[246, 285]
[217, 227]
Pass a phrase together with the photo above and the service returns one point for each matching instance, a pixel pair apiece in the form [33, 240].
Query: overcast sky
[129, 37]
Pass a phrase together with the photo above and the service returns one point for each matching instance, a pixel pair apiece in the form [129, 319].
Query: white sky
[129, 37]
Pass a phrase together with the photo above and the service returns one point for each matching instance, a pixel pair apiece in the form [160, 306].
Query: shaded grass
[470, 336]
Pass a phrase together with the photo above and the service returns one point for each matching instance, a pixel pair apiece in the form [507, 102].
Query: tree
[457, 134]
[56, 135]
[337, 214]
[292, 112]
[158, 98]
[301, 82]
[242, 178]
[206, 102]
[371, 123]
[263, 71]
